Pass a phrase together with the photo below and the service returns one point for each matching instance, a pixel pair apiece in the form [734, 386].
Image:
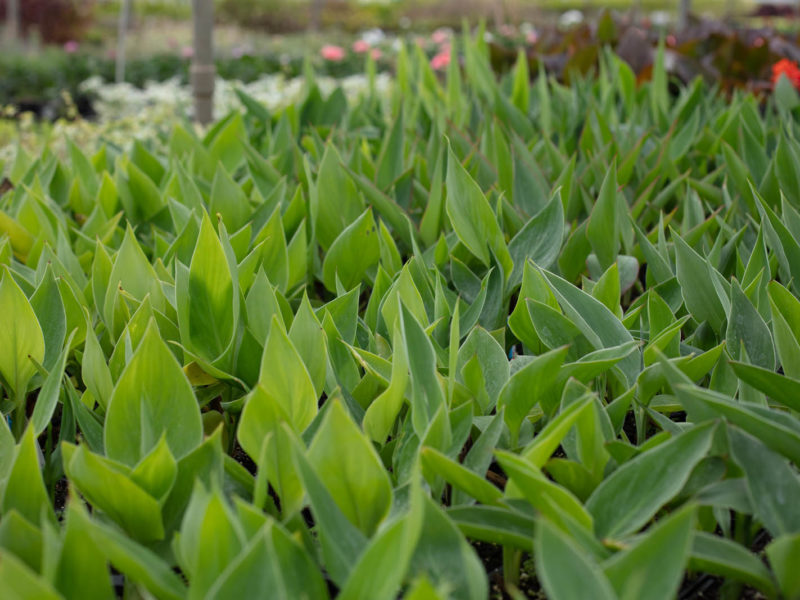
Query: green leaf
[552, 501]
[138, 563]
[338, 203]
[81, 571]
[720, 556]
[529, 385]
[350, 469]
[632, 494]
[48, 395]
[565, 570]
[460, 477]
[342, 542]
[446, 558]
[494, 524]
[426, 392]
[274, 561]
[699, 286]
[108, 487]
[782, 553]
[653, 566]
[778, 387]
[209, 522]
[774, 428]
[539, 239]
[21, 583]
[603, 229]
[771, 482]
[595, 321]
[382, 412]
[747, 328]
[152, 398]
[49, 308]
[20, 337]
[207, 298]
[355, 250]
[285, 378]
[24, 489]
[308, 338]
[473, 219]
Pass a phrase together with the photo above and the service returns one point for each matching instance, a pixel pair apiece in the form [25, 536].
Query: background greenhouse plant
[342, 349]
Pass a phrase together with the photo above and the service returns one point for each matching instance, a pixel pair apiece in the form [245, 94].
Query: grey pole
[202, 70]
[122, 33]
[12, 21]
[684, 9]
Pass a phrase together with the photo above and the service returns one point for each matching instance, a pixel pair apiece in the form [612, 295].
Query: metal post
[12, 21]
[684, 9]
[202, 71]
[122, 33]
[315, 22]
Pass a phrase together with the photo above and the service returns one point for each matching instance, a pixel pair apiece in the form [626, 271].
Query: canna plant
[472, 336]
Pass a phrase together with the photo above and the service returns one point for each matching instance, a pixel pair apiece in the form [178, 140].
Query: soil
[491, 555]
[240, 456]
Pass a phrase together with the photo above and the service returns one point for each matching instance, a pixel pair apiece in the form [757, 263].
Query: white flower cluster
[170, 98]
[126, 113]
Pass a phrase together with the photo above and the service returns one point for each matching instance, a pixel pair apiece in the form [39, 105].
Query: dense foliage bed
[341, 349]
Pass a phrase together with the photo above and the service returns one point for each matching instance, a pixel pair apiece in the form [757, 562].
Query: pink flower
[532, 37]
[360, 46]
[441, 60]
[332, 53]
[506, 30]
[71, 47]
[440, 36]
[376, 54]
[187, 52]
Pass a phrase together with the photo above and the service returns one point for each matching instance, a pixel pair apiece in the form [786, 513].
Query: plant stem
[511, 561]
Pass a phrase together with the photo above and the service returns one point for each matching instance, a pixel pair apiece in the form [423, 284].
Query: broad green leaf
[355, 250]
[137, 562]
[152, 398]
[24, 489]
[48, 395]
[540, 239]
[720, 556]
[699, 286]
[460, 477]
[274, 561]
[341, 541]
[603, 229]
[350, 469]
[565, 570]
[285, 378]
[528, 386]
[81, 571]
[20, 337]
[473, 219]
[633, 493]
[207, 298]
[771, 482]
[782, 553]
[108, 487]
[446, 558]
[747, 328]
[19, 582]
[653, 566]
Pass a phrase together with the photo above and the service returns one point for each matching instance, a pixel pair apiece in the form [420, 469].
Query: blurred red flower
[788, 68]
[360, 46]
[441, 60]
[332, 53]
